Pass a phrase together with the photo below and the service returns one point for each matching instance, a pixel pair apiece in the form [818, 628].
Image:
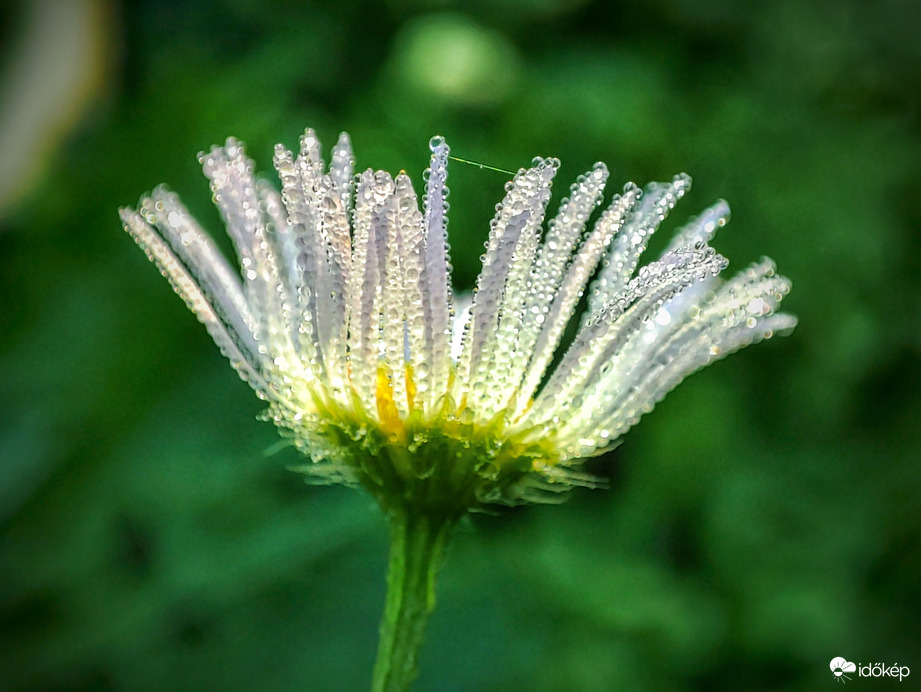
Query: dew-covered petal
[569, 293]
[341, 169]
[202, 258]
[311, 152]
[622, 259]
[565, 230]
[436, 278]
[500, 288]
[319, 232]
[392, 250]
[373, 205]
[207, 292]
[600, 340]
[303, 251]
[547, 273]
[733, 315]
[701, 229]
[335, 265]
[235, 192]
[502, 367]
[418, 349]
[280, 244]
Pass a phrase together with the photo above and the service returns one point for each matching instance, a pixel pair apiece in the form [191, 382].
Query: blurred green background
[762, 521]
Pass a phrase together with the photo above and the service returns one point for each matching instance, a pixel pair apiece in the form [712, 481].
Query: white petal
[215, 311]
[599, 342]
[436, 279]
[500, 287]
[566, 299]
[657, 200]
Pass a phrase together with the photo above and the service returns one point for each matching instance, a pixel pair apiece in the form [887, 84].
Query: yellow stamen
[410, 387]
[386, 409]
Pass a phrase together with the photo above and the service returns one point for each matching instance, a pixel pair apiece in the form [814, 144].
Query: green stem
[416, 548]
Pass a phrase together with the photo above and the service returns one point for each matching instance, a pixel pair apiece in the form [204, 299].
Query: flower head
[343, 319]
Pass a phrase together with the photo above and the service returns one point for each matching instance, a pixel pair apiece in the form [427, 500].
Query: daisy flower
[342, 318]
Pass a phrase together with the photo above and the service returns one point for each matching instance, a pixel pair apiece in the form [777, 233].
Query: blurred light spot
[453, 59]
[57, 63]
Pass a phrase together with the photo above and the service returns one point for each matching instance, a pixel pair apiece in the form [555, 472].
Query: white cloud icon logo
[839, 666]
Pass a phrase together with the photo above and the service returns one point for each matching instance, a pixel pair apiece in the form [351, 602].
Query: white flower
[343, 321]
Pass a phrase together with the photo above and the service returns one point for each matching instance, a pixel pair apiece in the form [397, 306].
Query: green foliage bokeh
[763, 520]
